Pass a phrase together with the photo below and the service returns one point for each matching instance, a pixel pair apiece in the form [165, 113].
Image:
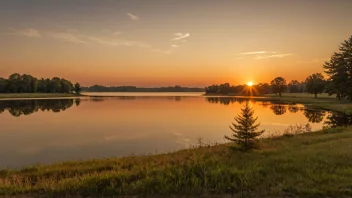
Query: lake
[52, 130]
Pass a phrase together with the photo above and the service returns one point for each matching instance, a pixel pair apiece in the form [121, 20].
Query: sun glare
[250, 83]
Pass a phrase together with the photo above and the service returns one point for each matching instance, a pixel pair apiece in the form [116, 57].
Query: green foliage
[77, 88]
[244, 132]
[315, 84]
[339, 70]
[17, 83]
[278, 85]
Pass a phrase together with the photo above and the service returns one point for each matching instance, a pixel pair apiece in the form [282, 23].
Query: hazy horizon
[165, 42]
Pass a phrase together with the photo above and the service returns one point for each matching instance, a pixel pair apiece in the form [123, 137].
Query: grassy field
[324, 101]
[36, 95]
[309, 165]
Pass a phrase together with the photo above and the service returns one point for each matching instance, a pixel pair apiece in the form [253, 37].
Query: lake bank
[307, 165]
[323, 101]
[36, 95]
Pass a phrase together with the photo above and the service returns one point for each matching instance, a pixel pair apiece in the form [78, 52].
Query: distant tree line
[339, 81]
[17, 83]
[177, 88]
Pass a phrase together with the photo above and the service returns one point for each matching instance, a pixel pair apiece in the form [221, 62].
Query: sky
[150, 43]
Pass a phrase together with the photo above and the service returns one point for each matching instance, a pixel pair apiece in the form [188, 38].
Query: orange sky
[165, 42]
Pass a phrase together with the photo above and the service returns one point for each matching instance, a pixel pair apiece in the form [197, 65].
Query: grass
[324, 101]
[309, 165]
[36, 95]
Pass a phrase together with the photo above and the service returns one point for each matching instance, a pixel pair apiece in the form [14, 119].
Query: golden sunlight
[250, 83]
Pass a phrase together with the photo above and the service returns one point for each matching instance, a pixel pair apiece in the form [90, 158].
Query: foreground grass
[309, 165]
[36, 95]
[324, 101]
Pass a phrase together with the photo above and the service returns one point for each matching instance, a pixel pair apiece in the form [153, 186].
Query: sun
[250, 83]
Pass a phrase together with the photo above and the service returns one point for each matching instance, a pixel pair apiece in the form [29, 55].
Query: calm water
[46, 131]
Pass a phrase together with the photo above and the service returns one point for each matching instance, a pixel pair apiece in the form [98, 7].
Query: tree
[339, 70]
[278, 85]
[315, 84]
[244, 132]
[3, 85]
[293, 86]
[77, 88]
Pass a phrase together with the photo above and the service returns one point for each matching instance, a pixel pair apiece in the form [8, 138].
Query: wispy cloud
[175, 46]
[119, 42]
[68, 37]
[272, 56]
[262, 55]
[27, 32]
[315, 60]
[254, 53]
[133, 17]
[181, 36]
[116, 33]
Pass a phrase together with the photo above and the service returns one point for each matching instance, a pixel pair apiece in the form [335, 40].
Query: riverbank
[316, 164]
[36, 95]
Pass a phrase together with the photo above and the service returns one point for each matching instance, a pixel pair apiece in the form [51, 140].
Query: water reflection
[338, 119]
[97, 127]
[314, 116]
[294, 108]
[26, 107]
[225, 100]
[278, 109]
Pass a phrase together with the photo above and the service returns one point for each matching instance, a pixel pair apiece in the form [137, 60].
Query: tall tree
[315, 84]
[339, 70]
[77, 88]
[278, 85]
[245, 131]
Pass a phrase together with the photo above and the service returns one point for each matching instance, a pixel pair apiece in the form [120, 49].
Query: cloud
[253, 53]
[316, 60]
[117, 33]
[262, 55]
[27, 32]
[181, 36]
[175, 46]
[68, 37]
[272, 56]
[133, 17]
[119, 42]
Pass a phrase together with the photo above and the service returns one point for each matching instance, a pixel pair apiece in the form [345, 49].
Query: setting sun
[250, 83]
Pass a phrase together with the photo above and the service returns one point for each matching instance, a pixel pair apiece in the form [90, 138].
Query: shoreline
[15, 96]
[284, 166]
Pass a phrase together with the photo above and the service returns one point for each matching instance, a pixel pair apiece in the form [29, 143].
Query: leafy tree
[244, 132]
[278, 85]
[77, 88]
[339, 70]
[3, 85]
[315, 84]
[293, 86]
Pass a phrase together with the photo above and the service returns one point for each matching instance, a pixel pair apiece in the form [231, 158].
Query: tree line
[177, 88]
[339, 82]
[17, 83]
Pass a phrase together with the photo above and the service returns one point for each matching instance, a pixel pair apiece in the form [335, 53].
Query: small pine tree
[244, 132]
